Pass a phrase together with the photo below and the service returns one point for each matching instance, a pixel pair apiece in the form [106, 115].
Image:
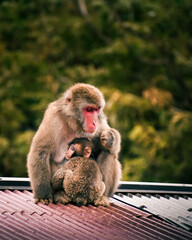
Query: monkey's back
[83, 166]
[84, 180]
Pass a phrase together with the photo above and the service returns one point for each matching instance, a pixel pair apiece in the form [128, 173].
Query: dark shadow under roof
[20, 218]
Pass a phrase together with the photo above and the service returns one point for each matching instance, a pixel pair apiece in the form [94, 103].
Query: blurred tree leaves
[156, 137]
[137, 52]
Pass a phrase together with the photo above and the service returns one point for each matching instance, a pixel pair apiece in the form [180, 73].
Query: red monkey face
[91, 118]
[85, 103]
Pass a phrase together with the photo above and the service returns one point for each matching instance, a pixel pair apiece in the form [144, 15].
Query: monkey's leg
[108, 160]
[57, 179]
[103, 201]
[110, 168]
[102, 188]
[61, 197]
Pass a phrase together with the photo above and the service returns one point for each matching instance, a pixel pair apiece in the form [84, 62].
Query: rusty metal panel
[20, 218]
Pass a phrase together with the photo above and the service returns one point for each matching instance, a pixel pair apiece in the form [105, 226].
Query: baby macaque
[80, 179]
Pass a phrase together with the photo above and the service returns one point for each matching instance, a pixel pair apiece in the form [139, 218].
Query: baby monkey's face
[74, 150]
[77, 150]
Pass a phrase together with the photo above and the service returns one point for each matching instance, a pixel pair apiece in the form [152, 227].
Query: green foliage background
[137, 52]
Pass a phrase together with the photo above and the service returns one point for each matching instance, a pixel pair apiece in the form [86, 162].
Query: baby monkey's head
[81, 147]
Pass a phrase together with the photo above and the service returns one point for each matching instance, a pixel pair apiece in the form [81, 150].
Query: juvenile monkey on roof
[80, 179]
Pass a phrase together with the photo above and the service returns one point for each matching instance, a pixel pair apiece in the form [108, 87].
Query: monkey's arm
[40, 174]
[108, 160]
[111, 170]
[43, 146]
[111, 141]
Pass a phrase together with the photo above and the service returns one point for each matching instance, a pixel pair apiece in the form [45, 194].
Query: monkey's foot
[102, 201]
[61, 197]
[45, 201]
[81, 201]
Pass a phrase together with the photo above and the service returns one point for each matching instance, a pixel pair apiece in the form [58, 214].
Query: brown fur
[81, 180]
[62, 122]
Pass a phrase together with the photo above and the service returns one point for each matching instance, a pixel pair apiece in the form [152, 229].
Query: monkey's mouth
[90, 130]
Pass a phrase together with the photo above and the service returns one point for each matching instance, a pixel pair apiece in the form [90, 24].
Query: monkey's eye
[97, 109]
[89, 109]
[92, 109]
[72, 148]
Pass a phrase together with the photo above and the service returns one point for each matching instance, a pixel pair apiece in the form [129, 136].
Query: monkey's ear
[68, 97]
[87, 152]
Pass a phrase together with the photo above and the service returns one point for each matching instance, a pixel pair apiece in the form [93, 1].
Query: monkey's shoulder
[77, 161]
[72, 163]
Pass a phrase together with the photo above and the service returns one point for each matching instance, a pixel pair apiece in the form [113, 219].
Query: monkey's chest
[61, 150]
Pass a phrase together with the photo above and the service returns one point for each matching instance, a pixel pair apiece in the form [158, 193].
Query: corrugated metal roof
[172, 202]
[20, 218]
[155, 188]
[175, 209]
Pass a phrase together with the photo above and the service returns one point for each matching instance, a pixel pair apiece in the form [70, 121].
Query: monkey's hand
[107, 139]
[45, 201]
[43, 194]
[110, 140]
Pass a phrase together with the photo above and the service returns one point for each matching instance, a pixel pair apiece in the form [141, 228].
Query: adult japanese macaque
[78, 113]
[80, 177]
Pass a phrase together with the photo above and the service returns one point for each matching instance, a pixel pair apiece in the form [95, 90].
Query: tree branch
[86, 16]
